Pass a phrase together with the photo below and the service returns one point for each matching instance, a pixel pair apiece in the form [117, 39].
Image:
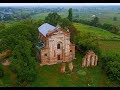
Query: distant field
[106, 17]
[43, 15]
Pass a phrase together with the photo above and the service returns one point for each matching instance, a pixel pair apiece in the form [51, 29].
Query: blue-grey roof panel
[44, 28]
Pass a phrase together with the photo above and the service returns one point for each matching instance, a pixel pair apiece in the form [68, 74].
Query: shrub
[86, 41]
[111, 64]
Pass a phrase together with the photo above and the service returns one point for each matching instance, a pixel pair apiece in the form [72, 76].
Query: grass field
[109, 46]
[43, 15]
[100, 33]
[109, 42]
[50, 76]
[106, 17]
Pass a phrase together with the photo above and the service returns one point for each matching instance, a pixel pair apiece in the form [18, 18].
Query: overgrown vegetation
[20, 39]
[111, 64]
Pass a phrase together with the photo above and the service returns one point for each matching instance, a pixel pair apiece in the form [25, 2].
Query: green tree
[53, 18]
[107, 26]
[20, 38]
[23, 64]
[73, 32]
[70, 14]
[65, 23]
[111, 65]
[95, 21]
[114, 18]
[115, 29]
[87, 41]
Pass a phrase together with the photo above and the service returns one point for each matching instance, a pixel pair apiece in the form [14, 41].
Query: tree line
[95, 22]
[20, 38]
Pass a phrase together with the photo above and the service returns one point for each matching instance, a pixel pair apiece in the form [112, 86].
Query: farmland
[49, 75]
[43, 15]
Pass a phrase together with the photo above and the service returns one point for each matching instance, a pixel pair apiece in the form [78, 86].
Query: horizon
[56, 4]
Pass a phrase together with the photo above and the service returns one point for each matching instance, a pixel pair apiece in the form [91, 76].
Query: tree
[87, 41]
[20, 38]
[114, 18]
[53, 18]
[111, 65]
[23, 64]
[65, 23]
[107, 26]
[95, 21]
[70, 14]
[115, 29]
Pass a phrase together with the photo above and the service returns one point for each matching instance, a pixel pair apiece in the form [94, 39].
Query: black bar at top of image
[60, 1]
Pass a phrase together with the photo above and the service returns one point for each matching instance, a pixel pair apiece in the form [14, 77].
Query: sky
[56, 4]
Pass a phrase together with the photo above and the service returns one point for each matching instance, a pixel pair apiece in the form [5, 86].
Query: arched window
[58, 46]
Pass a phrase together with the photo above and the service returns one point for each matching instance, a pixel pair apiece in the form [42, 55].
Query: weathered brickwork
[58, 47]
[90, 59]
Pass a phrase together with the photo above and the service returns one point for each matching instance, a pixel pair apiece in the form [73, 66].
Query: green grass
[100, 33]
[6, 79]
[39, 16]
[109, 42]
[50, 76]
[109, 46]
[106, 17]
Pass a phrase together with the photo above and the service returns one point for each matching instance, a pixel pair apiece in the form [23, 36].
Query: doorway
[58, 57]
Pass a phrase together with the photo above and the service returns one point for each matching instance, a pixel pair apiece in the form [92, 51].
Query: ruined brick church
[54, 45]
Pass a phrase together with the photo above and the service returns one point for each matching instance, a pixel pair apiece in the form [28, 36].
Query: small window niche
[45, 54]
[58, 46]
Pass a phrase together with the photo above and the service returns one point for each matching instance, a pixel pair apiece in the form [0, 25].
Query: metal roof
[44, 28]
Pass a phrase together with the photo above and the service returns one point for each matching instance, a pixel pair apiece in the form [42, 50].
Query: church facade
[56, 45]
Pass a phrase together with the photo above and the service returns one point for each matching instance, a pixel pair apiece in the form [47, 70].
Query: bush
[111, 64]
[86, 41]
